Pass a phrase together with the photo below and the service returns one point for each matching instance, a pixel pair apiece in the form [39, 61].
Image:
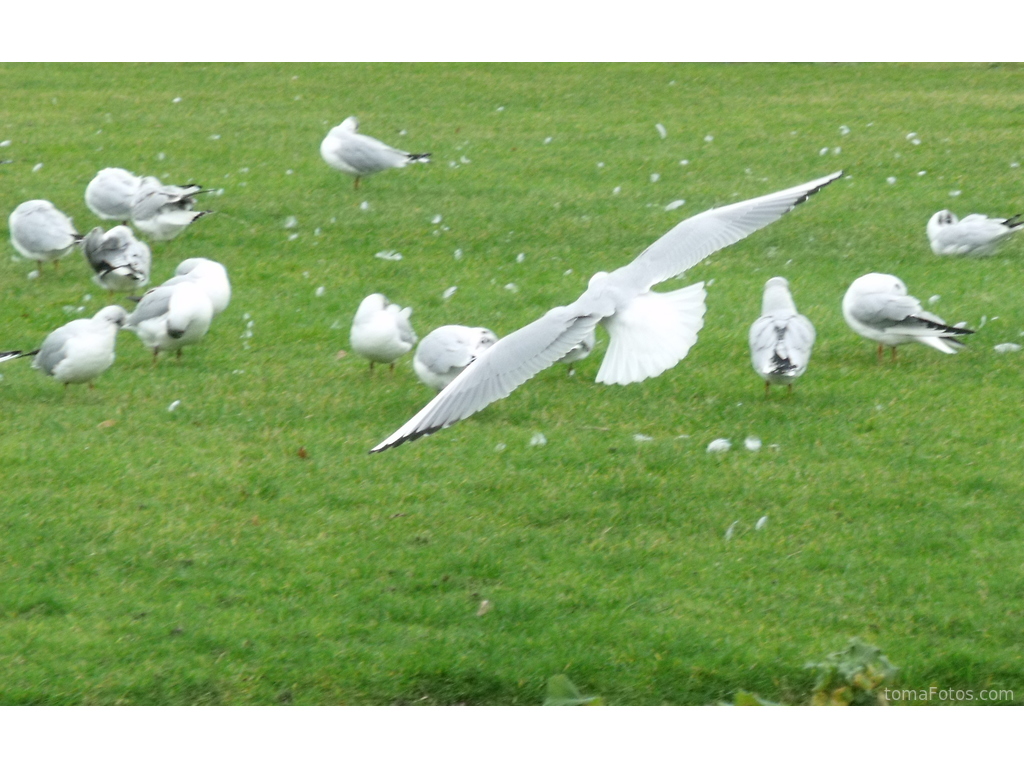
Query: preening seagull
[211, 276]
[781, 338]
[170, 317]
[878, 308]
[445, 352]
[164, 210]
[82, 349]
[381, 331]
[349, 151]
[649, 332]
[121, 262]
[110, 193]
[973, 235]
[41, 232]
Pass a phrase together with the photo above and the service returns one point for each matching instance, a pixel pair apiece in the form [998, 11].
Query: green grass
[194, 557]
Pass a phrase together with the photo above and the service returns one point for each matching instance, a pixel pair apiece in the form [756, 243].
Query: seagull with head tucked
[974, 235]
[110, 193]
[211, 275]
[41, 232]
[781, 339]
[445, 352]
[649, 332]
[381, 331]
[878, 307]
[349, 151]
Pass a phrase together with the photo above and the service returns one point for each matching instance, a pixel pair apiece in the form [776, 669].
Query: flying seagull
[974, 235]
[349, 151]
[781, 338]
[649, 332]
[878, 308]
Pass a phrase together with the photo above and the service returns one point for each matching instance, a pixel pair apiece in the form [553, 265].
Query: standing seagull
[170, 317]
[649, 332]
[974, 235]
[211, 276]
[40, 232]
[110, 194]
[357, 155]
[83, 349]
[781, 338]
[162, 211]
[120, 261]
[878, 308]
[381, 330]
[445, 352]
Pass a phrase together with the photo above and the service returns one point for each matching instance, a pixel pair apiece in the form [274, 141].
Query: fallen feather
[449, 292]
[319, 291]
[675, 204]
[1001, 348]
[721, 445]
[761, 523]
[661, 130]
[538, 439]
[173, 406]
[485, 607]
[655, 177]
[730, 529]
[643, 438]
[752, 443]
[388, 255]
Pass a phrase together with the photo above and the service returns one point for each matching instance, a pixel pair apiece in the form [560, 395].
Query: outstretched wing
[498, 370]
[696, 238]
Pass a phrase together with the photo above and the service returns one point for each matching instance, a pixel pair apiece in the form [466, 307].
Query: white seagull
[121, 262]
[878, 308]
[82, 349]
[41, 232]
[781, 338]
[974, 235]
[162, 211]
[211, 276]
[445, 352]
[110, 193]
[381, 331]
[649, 332]
[170, 317]
[349, 151]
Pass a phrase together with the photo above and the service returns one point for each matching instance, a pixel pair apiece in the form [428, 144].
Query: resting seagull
[110, 193]
[349, 151]
[120, 261]
[649, 332]
[162, 211]
[170, 317]
[445, 352]
[878, 308]
[974, 235]
[381, 331]
[81, 350]
[41, 232]
[781, 338]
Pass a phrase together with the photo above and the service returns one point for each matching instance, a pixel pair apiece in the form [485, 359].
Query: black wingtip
[406, 439]
[828, 180]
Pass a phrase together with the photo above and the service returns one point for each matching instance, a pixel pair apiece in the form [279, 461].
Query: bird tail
[780, 366]
[421, 158]
[653, 333]
[14, 354]
[1015, 222]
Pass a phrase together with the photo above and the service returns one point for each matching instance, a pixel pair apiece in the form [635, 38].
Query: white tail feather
[652, 334]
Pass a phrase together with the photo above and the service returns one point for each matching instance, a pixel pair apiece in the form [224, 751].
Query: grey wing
[799, 341]
[763, 338]
[881, 311]
[155, 302]
[405, 331]
[368, 155]
[441, 355]
[696, 238]
[52, 350]
[499, 370]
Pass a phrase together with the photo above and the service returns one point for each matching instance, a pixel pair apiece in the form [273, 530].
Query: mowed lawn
[244, 548]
